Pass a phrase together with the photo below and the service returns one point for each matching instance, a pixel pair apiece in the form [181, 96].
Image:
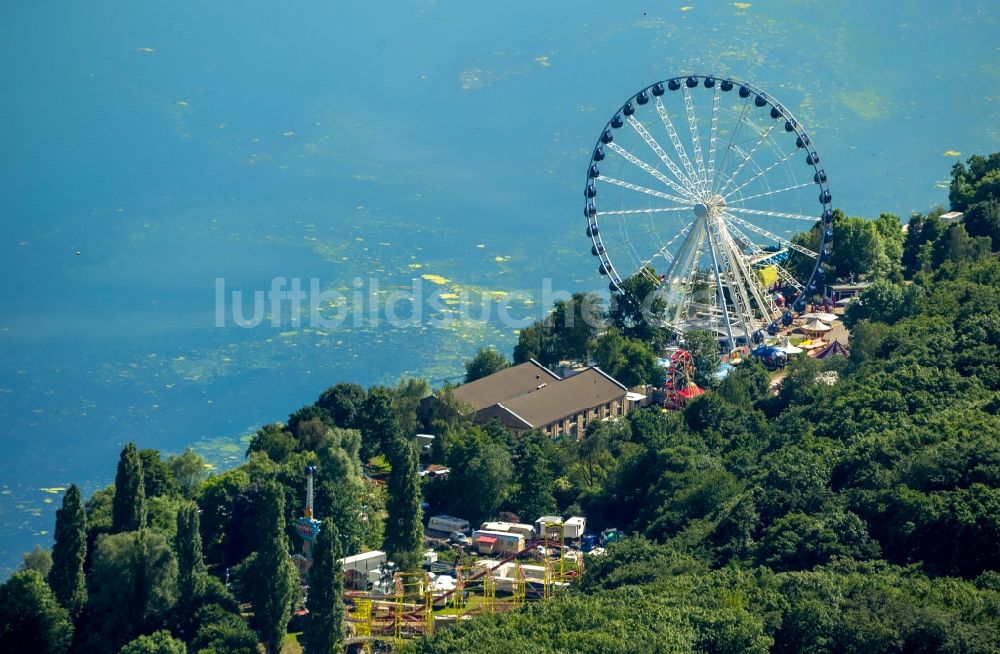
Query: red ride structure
[679, 386]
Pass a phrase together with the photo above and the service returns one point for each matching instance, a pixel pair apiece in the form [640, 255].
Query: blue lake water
[148, 150]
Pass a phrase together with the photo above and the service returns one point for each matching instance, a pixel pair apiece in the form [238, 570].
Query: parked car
[458, 538]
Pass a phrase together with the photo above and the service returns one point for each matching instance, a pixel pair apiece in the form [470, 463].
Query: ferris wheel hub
[712, 206]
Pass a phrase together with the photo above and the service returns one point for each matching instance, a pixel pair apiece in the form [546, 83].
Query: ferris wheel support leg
[720, 292]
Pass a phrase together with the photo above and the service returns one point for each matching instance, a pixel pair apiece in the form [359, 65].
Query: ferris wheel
[700, 184]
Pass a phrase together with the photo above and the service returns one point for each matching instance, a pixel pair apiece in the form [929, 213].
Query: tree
[325, 630]
[343, 402]
[217, 499]
[859, 249]
[479, 478]
[305, 414]
[272, 574]
[189, 469]
[158, 642]
[69, 553]
[404, 534]
[274, 441]
[704, 348]
[156, 477]
[977, 180]
[128, 513]
[378, 422]
[486, 362]
[223, 632]
[536, 341]
[31, 619]
[187, 547]
[533, 496]
[801, 265]
[957, 247]
[629, 361]
[983, 219]
[880, 302]
[866, 339]
[574, 323]
[407, 397]
[132, 584]
[38, 559]
[636, 310]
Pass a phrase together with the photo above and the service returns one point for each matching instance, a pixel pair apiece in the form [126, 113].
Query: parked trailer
[490, 542]
[540, 525]
[527, 531]
[447, 524]
[574, 527]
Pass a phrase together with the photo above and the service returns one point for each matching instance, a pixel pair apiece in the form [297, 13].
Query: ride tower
[307, 527]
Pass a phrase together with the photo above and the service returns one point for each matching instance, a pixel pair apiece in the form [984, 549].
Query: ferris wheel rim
[688, 185]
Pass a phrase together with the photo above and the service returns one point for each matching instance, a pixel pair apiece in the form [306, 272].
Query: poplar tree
[404, 533]
[69, 552]
[128, 512]
[273, 574]
[325, 631]
[187, 547]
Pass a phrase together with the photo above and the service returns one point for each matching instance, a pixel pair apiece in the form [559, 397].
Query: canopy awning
[820, 315]
[489, 540]
[816, 325]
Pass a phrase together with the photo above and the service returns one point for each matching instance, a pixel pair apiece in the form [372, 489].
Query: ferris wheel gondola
[701, 183]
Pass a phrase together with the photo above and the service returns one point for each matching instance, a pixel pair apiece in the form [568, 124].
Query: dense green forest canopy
[858, 509]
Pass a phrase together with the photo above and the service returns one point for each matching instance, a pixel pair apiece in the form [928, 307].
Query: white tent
[815, 326]
[825, 317]
[788, 348]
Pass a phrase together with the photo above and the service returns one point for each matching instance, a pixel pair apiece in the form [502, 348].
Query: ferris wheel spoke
[774, 237]
[761, 173]
[672, 286]
[713, 135]
[682, 284]
[775, 191]
[787, 277]
[745, 281]
[761, 256]
[737, 293]
[731, 145]
[747, 156]
[692, 119]
[636, 161]
[664, 250]
[630, 212]
[676, 141]
[773, 214]
[690, 279]
[641, 130]
[720, 293]
[642, 189]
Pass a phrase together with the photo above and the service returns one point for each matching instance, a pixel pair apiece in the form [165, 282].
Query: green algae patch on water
[867, 103]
